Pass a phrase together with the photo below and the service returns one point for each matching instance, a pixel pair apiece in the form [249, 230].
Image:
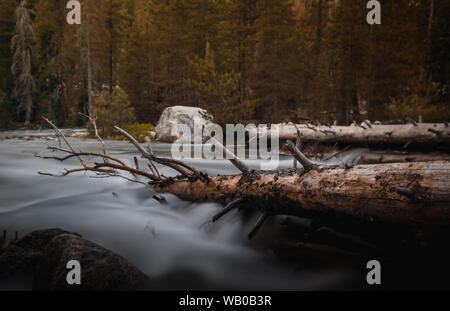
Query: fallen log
[378, 158]
[418, 134]
[414, 194]
[407, 193]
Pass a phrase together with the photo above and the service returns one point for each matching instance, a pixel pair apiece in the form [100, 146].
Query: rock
[22, 256]
[177, 115]
[44, 254]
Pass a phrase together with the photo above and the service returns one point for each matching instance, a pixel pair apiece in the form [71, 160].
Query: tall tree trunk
[21, 46]
[430, 24]
[111, 52]
[62, 98]
[319, 27]
[88, 59]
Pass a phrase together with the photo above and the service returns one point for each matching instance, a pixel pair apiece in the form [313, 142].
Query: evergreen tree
[344, 63]
[274, 79]
[56, 60]
[21, 46]
[111, 110]
[268, 60]
[6, 31]
[116, 20]
[214, 90]
[138, 67]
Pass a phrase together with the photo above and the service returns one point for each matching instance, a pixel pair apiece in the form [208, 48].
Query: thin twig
[94, 124]
[84, 169]
[72, 155]
[152, 169]
[65, 140]
[136, 163]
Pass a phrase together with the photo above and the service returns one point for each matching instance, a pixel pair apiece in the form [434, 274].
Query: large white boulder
[174, 116]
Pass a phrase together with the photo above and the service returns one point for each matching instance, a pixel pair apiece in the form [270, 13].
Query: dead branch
[107, 168]
[304, 161]
[58, 131]
[228, 208]
[128, 169]
[84, 169]
[77, 154]
[258, 225]
[298, 143]
[232, 157]
[148, 154]
[94, 124]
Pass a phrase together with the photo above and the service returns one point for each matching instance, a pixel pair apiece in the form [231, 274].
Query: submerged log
[417, 134]
[408, 193]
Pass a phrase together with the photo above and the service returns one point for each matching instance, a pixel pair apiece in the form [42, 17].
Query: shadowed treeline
[262, 60]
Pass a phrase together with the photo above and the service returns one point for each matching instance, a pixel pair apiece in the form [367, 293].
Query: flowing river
[174, 243]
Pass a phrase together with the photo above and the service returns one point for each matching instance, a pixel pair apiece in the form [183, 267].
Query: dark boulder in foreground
[44, 254]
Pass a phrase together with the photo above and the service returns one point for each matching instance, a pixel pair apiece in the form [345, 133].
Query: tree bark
[378, 158]
[430, 25]
[370, 134]
[416, 194]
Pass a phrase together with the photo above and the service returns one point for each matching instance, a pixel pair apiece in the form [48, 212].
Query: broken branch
[304, 161]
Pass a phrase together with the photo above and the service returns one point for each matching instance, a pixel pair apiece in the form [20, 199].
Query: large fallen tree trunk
[408, 193]
[416, 194]
[417, 134]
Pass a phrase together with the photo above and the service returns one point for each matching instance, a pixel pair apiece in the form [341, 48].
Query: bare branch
[258, 225]
[153, 169]
[232, 157]
[65, 140]
[304, 161]
[136, 163]
[174, 164]
[84, 169]
[94, 124]
[72, 155]
[298, 142]
[126, 168]
[228, 208]
[146, 154]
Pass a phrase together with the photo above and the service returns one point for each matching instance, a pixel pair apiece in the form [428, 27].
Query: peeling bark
[370, 192]
[391, 135]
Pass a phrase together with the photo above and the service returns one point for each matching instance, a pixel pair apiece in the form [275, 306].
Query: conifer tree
[21, 46]
[275, 57]
[6, 31]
